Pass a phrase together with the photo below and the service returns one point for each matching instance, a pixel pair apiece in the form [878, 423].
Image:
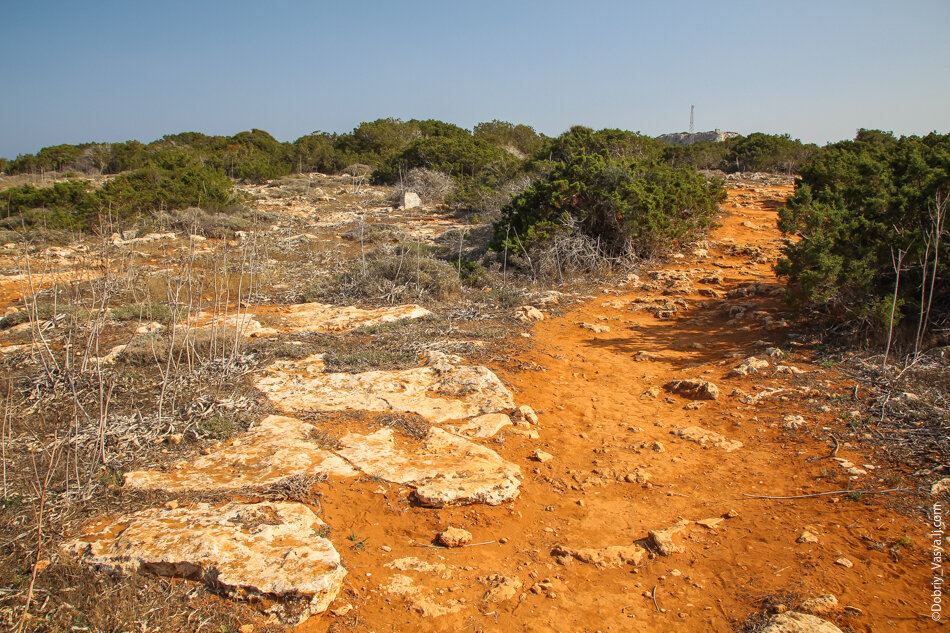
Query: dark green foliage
[613, 144]
[857, 204]
[460, 156]
[316, 152]
[703, 155]
[602, 190]
[65, 205]
[170, 185]
[174, 183]
[47, 159]
[522, 138]
[767, 152]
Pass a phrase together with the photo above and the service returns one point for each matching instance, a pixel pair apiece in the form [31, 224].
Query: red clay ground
[599, 423]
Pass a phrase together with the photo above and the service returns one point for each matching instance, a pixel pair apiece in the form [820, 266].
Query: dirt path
[618, 471]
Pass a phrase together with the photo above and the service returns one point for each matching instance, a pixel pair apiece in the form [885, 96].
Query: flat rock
[501, 588]
[275, 448]
[255, 549]
[596, 329]
[820, 605]
[795, 622]
[540, 456]
[446, 470]
[482, 426]
[258, 321]
[612, 556]
[693, 389]
[707, 438]
[662, 540]
[446, 389]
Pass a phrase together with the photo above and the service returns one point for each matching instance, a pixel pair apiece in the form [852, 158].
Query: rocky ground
[666, 451]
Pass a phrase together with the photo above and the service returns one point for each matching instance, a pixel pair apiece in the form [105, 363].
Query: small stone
[731, 514]
[693, 389]
[540, 456]
[341, 611]
[246, 628]
[638, 476]
[751, 365]
[171, 505]
[807, 537]
[529, 314]
[844, 562]
[174, 438]
[455, 537]
[941, 486]
[386, 548]
[411, 200]
[527, 414]
[793, 422]
[710, 523]
[820, 605]
[658, 447]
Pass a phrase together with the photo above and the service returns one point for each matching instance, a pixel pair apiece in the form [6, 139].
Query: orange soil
[589, 399]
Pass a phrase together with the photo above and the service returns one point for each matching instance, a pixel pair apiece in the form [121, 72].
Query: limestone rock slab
[248, 549]
[445, 389]
[706, 438]
[445, 470]
[795, 622]
[693, 389]
[310, 317]
[276, 448]
[482, 426]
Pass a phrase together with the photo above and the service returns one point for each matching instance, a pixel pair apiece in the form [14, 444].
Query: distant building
[685, 138]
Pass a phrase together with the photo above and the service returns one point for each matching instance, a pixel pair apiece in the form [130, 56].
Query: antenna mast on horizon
[692, 127]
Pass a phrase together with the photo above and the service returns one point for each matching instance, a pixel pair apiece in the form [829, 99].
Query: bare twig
[831, 492]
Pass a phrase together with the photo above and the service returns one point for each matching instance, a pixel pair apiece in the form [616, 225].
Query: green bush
[460, 157]
[630, 207]
[66, 205]
[521, 138]
[858, 204]
[613, 144]
[767, 152]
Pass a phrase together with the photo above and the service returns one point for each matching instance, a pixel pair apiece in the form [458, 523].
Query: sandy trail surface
[626, 460]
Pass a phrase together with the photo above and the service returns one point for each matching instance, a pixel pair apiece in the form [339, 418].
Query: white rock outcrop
[269, 549]
[277, 447]
[446, 470]
[446, 389]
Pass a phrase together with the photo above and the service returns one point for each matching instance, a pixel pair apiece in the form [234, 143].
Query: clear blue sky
[78, 71]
